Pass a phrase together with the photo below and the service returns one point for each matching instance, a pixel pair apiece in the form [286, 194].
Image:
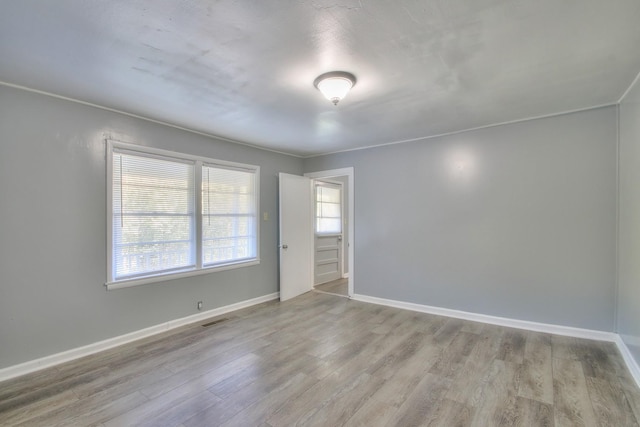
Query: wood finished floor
[323, 360]
[337, 287]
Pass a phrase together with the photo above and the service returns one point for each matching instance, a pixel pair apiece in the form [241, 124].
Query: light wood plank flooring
[337, 287]
[323, 360]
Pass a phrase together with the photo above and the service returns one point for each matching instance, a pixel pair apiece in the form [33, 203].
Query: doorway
[333, 231]
[328, 226]
[336, 287]
[296, 214]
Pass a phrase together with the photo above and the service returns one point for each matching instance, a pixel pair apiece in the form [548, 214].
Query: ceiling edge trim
[421, 138]
[148, 119]
[626, 92]
[246, 144]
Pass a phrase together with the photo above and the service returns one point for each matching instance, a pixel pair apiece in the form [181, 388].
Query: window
[173, 215]
[229, 215]
[328, 208]
[153, 215]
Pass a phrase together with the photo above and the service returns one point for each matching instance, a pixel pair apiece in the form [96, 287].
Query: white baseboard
[493, 320]
[76, 353]
[569, 331]
[345, 275]
[55, 359]
[632, 365]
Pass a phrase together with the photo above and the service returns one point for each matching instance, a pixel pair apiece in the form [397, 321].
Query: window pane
[328, 209]
[153, 215]
[329, 194]
[228, 215]
[154, 220]
[328, 225]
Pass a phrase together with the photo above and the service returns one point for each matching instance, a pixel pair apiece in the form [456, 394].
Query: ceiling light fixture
[335, 85]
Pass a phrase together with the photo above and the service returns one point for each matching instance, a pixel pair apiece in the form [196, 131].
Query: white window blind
[178, 215]
[328, 209]
[229, 224]
[153, 215]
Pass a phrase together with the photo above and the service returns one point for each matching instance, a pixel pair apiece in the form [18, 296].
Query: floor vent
[215, 322]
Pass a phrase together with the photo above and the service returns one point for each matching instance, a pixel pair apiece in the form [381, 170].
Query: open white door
[296, 237]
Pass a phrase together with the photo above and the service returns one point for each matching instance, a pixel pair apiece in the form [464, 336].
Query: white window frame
[199, 269]
[327, 183]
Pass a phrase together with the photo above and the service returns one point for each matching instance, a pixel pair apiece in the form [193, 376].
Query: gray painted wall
[629, 225]
[53, 228]
[516, 221]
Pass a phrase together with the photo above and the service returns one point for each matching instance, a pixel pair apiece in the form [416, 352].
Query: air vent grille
[215, 322]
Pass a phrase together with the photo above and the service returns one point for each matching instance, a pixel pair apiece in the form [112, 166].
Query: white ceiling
[244, 70]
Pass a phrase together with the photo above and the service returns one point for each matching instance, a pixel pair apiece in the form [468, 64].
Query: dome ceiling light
[335, 85]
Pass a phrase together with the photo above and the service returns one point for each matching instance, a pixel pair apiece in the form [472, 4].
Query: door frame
[342, 218]
[349, 173]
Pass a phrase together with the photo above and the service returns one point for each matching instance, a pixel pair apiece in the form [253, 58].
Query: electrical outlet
[200, 305]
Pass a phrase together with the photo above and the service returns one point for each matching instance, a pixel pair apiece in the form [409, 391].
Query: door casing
[349, 173]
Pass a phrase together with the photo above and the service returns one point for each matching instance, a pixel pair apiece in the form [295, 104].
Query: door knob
[285, 246]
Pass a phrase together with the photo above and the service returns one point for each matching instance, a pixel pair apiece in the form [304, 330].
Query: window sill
[128, 283]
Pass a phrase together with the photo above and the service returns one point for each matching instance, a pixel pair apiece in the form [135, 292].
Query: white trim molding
[626, 92]
[457, 132]
[631, 362]
[569, 331]
[76, 353]
[196, 164]
[148, 119]
[349, 172]
[494, 320]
